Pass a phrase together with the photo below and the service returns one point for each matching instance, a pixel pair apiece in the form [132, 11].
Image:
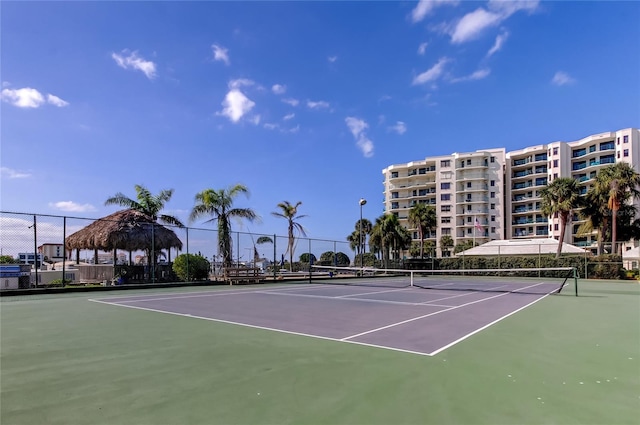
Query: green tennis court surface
[564, 359]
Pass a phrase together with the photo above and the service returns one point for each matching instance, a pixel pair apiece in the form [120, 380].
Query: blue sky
[299, 101]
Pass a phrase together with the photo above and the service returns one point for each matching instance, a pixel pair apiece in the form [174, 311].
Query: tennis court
[365, 311]
[324, 353]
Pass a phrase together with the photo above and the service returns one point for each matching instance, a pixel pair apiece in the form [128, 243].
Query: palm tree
[388, 234]
[147, 204]
[596, 215]
[150, 206]
[354, 241]
[290, 213]
[363, 228]
[561, 197]
[422, 217]
[219, 204]
[446, 243]
[621, 182]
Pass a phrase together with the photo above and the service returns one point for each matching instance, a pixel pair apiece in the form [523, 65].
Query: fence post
[187, 229]
[64, 247]
[153, 253]
[275, 242]
[35, 249]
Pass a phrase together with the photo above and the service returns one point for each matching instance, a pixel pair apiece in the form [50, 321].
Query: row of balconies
[584, 164]
[605, 146]
[523, 161]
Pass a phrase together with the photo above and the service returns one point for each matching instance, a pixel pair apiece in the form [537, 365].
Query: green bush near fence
[190, 267]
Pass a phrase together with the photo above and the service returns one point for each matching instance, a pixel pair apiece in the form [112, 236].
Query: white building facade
[491, 194]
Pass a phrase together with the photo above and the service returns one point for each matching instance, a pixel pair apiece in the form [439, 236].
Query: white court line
[213, 293]
[229, 322]
[470, 292]
[451, 344]
[430, 314]
[326, 297]
[376, 292]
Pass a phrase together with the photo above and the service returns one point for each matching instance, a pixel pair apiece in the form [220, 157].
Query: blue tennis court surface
[413, 320]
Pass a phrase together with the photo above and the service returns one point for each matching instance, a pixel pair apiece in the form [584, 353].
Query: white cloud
[270, 126]
[55, 100]
[332, 59]
[30, 98]
[356, 125]
[357, 128]
[500, 39]
[477, 75]
[236, 105]
[289, 116]
[320, 104]
[474, 23]
[220, 54]
[561, 78]
[292, 130]
[291, 101]
[255, 120]
[422, 48]
[23, 98]
[279, 89]
[508, 8]
[13, 174]
[432, 73]
[425, 7]
[400, 128]
[240, 82]
[131, 60]
[71, 206]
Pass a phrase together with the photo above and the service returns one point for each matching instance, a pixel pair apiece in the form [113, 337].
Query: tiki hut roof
[127, 229]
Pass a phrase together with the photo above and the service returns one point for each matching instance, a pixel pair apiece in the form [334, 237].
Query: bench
[243, 275]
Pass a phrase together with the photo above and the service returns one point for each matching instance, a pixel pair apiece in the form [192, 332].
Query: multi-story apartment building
[467, 190]
[490, 194]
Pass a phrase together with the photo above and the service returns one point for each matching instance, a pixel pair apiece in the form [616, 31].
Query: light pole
[360, 241]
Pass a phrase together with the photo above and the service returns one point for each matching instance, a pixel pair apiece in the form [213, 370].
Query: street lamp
[360, 241]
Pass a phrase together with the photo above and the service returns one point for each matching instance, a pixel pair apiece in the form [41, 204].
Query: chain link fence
[42, 243]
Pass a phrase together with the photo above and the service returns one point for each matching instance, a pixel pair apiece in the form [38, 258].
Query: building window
[555, 162]
[618, 154]
[555, 226]
[493, 206]
[446, 231]
[618, 140]
[493, 194]
[445, 208]
[468, 219]
[493, 182]
[625, 139]
[555, 176]
[468, 207]
[468, 185]
[445, 220]
[468, 231]
[445, 163]
[493, 218]
[493, 159]
[626, 152]
[493, 230]
[555, 151]
[394, 174]
[445, 186]
[445, 197]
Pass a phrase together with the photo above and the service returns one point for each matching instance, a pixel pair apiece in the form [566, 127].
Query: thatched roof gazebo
[129, 230]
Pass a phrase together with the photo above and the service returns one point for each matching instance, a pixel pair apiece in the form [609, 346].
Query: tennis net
[523, 280]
